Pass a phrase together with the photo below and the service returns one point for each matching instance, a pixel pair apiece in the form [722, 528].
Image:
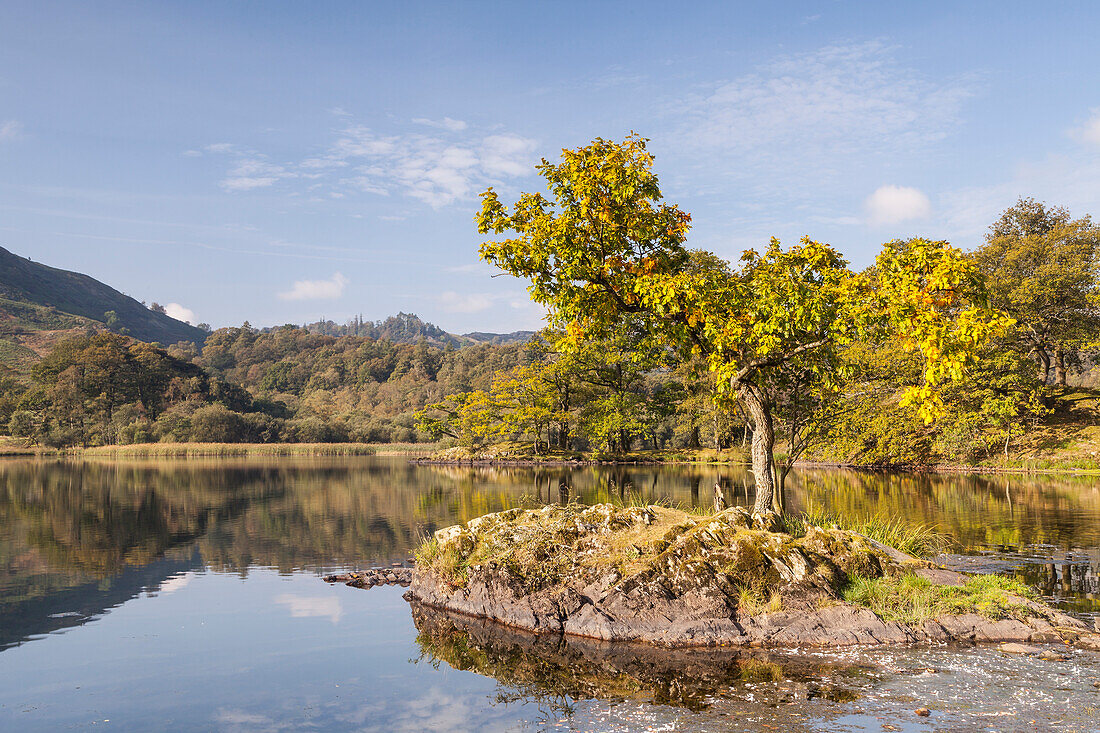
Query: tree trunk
[563, 491]
[763, 440]
[1059, 366]
[1043, 358]
[779, 503]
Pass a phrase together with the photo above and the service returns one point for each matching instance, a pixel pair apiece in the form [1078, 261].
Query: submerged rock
[375, 576]
[663, 576]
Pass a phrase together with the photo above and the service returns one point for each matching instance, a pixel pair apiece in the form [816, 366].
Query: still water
[184, 595]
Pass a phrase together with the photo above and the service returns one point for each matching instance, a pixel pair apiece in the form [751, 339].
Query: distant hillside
[404, 328]
[515, 337]
[36, 298]
[408, 328]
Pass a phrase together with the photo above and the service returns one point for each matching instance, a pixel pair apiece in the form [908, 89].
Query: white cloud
[176, 582]
[254, 172]
[312, 607]
[466, 302]
[447, 123]
[506, 155]
[455, 302]
[177, 311]
[894, 204]
[317, 289]
[1070, 181]
[438, 169]
[1090, 131]
[817, 114]
[10, 130]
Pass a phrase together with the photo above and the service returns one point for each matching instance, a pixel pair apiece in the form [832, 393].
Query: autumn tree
[1043, 268]
[602, 247]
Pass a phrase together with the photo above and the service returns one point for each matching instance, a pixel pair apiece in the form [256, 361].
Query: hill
[515, 337]
[408, 328]
[37, 298]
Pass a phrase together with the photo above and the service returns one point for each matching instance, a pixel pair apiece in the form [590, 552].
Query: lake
[183, 595]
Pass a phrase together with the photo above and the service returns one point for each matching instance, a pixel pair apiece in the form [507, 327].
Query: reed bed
[237, 450]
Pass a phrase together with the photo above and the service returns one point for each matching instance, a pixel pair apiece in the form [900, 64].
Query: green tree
[1043, 268]
[525, 400]
[602, 248]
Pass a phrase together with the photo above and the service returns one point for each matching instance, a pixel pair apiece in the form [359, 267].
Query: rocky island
[672, 578]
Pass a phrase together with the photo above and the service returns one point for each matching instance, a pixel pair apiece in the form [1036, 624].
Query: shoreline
[219, 450]
[656, 461]
[422, 454]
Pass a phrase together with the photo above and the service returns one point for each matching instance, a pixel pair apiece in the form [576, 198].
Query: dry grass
[235, 450]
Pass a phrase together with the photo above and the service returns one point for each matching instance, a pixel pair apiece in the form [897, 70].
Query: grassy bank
[221, 450]
[232, 450]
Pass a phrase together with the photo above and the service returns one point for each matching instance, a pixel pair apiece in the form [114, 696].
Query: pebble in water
[375, 576]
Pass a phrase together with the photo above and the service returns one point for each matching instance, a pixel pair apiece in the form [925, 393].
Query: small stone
[1090, 642]
[1013, 648]
[1096, 683]
[923, 712]
[1053, 656]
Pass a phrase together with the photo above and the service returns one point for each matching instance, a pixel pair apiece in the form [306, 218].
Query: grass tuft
[914, 538]
[912, 600]
[751, 601]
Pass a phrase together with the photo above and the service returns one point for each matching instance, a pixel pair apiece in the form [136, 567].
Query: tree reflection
[70, 524]
[554, 670]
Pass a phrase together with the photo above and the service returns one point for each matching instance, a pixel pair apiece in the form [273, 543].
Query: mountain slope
[60, 294]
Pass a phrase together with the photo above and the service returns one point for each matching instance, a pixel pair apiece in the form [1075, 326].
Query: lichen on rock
[666, 576]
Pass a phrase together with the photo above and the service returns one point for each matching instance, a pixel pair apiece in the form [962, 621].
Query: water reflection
[78, 537]
[556, 670]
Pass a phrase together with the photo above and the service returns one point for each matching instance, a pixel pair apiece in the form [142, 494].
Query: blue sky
[279, 162]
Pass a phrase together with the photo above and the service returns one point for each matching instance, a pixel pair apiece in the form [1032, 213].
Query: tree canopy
[1043, 268]
[602, 247]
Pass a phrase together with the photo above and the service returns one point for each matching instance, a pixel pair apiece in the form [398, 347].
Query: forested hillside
[1026, 395]
[37, 298]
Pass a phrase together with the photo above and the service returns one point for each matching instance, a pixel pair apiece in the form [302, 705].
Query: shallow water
[186, 594]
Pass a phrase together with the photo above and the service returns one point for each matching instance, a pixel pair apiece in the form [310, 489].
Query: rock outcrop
[661, 576]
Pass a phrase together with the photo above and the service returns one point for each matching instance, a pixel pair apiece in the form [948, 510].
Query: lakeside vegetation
[930, 357]
[218, 450]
